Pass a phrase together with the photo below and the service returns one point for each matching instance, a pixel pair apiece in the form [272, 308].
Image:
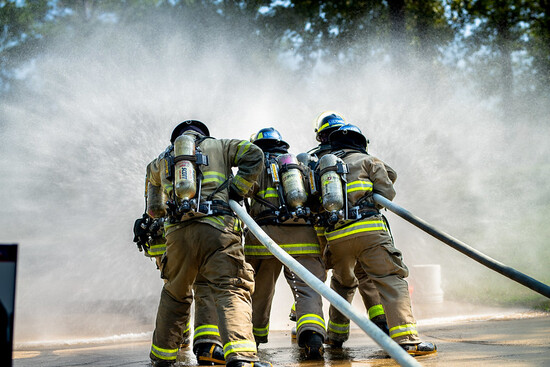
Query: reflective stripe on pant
[206, 318]
[384, 266]
[199, 248]
[309, 308]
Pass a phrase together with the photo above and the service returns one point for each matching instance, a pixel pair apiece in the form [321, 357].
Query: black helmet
[195, 125]
[269, 137]
[326, 123]
[349, 134]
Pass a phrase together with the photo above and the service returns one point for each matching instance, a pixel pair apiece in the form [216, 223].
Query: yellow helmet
[326, 123]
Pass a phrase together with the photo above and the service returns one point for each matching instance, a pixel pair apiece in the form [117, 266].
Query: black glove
[141, 229]
[234, 195]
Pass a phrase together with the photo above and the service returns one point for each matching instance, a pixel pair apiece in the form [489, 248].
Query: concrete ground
[499, 339]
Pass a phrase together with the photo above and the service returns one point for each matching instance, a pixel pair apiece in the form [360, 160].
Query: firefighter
[203, 238]
[326, 123]
[279, 206]
[363, 237]
[149, 237]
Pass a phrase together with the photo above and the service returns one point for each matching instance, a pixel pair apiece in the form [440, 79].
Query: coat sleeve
[249, 160]
[381, 182]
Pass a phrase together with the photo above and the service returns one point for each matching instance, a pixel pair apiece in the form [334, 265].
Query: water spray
[465, 249]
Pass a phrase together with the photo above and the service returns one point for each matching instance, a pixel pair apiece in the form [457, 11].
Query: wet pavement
[511, 339]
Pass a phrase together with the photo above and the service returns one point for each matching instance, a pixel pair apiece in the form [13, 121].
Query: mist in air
[97, 108]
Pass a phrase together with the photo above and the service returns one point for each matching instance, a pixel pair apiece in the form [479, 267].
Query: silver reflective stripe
[156, 250]
[310, 319]
[166, 354]
[361, 226]
[400, 330]
[206, 330]
[261, 331]
[239, 346]
[359, 186]
[338, 328]
[291, 249]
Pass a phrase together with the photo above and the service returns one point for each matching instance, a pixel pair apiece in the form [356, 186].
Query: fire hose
[390, 346]
[478, 256]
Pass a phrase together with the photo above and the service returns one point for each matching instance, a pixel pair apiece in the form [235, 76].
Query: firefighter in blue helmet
[363, 237]
[203, 239]
[283, 215]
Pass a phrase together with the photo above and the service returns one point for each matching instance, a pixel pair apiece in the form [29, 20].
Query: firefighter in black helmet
[203, 238]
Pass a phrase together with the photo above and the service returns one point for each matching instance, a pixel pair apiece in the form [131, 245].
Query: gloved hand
[141, 226]
[234, 195]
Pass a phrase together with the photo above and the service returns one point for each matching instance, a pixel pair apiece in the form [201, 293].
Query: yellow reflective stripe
[213, 176]
[359, 186]
[165, 354]
[239, 346]
[242, 148]
[376, 310]
[270, 192]
[362, 226]
[320, 231]
[157, 250]
[261, 331]
[310, 319]
[291, 249]
[400, 330]
[293, 308]
[206, 330]
[242, 184]
[338, 328]
[324, 126]
[237, 225]
[188, 327]
[215, 220]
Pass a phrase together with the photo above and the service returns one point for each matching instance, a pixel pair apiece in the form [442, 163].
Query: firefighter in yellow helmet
[362, 236]
[279, 206]
[326, 123]
[203, 237]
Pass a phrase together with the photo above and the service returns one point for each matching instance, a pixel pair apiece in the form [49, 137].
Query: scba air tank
[293, 183]
[331, 184]
[156, 201]
[185, 175]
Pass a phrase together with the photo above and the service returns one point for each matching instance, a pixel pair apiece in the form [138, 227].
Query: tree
[20, 34]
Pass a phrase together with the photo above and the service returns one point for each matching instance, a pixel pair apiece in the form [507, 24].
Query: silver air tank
[185, 175]
[293, 183]
[309, 161]
[156, 201]
[331, 184]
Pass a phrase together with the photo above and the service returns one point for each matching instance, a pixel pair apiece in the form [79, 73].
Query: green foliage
[504, 45]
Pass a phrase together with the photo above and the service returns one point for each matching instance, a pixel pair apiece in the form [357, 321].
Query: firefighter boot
[249, 364]
[313, 344]
[293, 333]
[421, 349]
[208, 354]
[380, 321]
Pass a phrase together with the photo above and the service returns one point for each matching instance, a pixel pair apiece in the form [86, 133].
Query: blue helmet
[269, 137]
[195, 125]
[349, 133]
[326, 123]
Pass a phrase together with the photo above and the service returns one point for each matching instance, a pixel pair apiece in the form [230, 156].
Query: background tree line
[501, 46]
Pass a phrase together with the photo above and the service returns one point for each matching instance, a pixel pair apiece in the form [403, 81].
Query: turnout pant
[384, 266]
[309, 306]
[198, 248]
